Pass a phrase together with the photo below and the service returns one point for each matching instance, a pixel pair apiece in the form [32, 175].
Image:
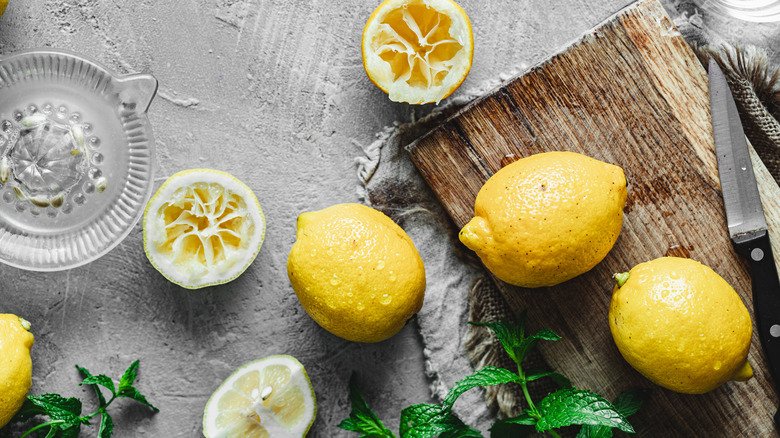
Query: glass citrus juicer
[76, 151]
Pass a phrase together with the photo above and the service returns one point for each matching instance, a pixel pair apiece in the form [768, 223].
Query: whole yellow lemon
[15, 364]
[681, 325]
[547, 218]
[356, 272]
[3, 5]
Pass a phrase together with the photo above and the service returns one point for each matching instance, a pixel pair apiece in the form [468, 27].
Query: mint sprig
[361, 418]
[565, 407]
[64, 414]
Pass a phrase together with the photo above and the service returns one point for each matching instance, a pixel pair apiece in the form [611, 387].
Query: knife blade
[745, 216]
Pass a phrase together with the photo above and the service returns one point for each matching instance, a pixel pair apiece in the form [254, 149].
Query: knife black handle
[756, 247]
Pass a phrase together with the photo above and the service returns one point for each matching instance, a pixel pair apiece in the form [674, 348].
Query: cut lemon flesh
[418, 51]
[268, 398]
[203, 227]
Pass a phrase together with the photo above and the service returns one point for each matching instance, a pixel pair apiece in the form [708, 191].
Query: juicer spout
[138, 89]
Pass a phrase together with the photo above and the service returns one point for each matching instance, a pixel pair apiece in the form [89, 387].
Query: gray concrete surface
[274, 92]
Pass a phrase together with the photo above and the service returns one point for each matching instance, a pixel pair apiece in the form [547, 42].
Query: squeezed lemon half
[418, 51]
[203, 227]
[271, 397]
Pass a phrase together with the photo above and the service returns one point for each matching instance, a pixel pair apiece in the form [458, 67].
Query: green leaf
[27, 411]
[361, 418]
[101, 380]
[59, 408]
[538, 373]
[100, 397]
[590, 431]
[629, 402]
[508, 334]
[528, 344]
[106, 426]
[428, 421]
[576, 406]
[130, 392]
[71, 432]
[484, 377]
[128, 378]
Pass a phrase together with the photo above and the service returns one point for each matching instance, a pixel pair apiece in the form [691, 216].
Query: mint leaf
[484, 377]
[126, 388]
[128, 378]
[101, 380]
[361, 418]
[100, 397]
[508, 334]
[590, 431]
[577, 406]
[528, 344]
[106, 426]
[538, 373]
[27, 411]
[71, 432]
[517, 427]
[428, 421]
[130, 392]
[57, 407]
[629, 402]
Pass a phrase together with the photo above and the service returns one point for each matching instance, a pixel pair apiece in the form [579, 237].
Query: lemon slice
[203, 227]
[418, 51]
[271, 397]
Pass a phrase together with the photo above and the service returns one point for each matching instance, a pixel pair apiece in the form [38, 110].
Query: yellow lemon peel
[681, 325]
[356, 272]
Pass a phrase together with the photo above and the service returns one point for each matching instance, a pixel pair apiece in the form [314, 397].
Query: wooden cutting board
[631, 93]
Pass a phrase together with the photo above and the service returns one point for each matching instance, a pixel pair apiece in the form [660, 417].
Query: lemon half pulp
[203, 227]
[271, 397]
[418, 51]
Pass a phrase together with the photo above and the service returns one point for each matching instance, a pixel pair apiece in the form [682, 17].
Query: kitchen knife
[745, 216]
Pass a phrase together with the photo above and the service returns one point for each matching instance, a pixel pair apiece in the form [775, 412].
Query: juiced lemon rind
[380, 39]
[188, 178]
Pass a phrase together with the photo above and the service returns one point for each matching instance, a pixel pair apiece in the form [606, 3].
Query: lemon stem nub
[25, 323]
[744, 372]
[621, 278]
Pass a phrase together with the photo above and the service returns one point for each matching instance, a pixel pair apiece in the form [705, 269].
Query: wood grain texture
[631, 93]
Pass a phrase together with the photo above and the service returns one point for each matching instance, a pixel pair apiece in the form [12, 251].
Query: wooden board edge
[628, 9]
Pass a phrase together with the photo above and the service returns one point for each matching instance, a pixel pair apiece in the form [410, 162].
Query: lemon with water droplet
[681, 325]
[371, 282]
[547, 218]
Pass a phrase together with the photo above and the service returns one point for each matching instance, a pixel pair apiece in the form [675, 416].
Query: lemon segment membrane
[418, 51]
[203, 227]
[271, 397]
